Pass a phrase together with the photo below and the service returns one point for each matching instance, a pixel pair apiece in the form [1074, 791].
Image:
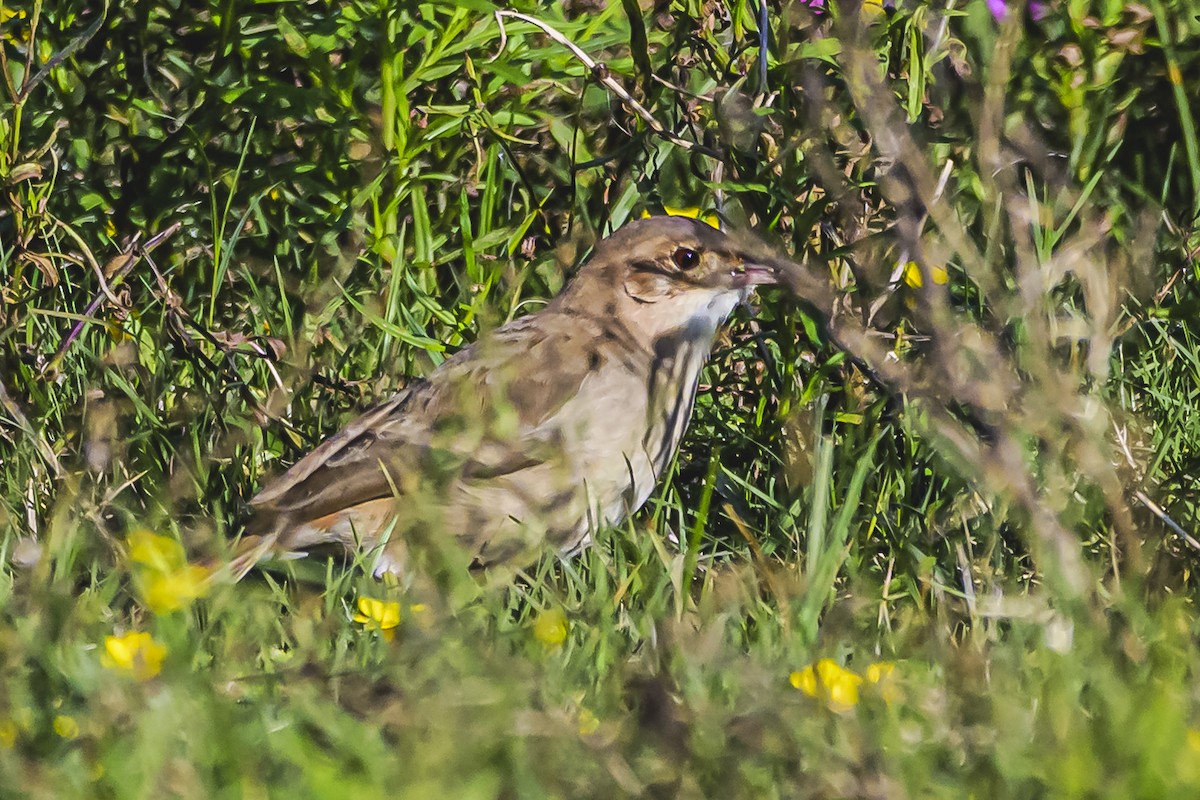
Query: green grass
[986, 481]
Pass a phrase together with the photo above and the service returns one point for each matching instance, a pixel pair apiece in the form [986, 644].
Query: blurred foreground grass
[951, 555]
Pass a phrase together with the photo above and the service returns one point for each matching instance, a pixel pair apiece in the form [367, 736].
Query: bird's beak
[755, 273]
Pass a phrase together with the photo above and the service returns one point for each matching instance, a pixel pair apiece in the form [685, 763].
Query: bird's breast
[632, 413]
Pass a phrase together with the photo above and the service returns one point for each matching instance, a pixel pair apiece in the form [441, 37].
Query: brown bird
[547, 427]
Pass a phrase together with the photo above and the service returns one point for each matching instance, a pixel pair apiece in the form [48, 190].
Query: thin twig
[675, 87]
[62, 55]
[1157, 511]
[131, 258]
[91, 259]
[603, 76]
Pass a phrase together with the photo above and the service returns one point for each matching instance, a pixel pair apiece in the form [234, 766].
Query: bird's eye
[685, 258]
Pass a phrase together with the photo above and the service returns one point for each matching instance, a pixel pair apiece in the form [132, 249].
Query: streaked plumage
[543, 429]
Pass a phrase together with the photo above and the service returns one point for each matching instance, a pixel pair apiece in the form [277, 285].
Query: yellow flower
[6, 15]
[588, 722]
[914, 278]
[1193, 740]
[135, 653]
[829, 681]
[66, 727]
[879, 671]
[117, 333]
[164, 592]
[380, 615]
[692, 212]
[166, 581]
[8, 734]
[881, 675]
[550, 627]
[110, 228]
[157, 552]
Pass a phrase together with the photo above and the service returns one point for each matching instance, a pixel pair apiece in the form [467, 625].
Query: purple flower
[999, 8]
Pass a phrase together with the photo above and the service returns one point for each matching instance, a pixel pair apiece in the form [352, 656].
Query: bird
[541, 431]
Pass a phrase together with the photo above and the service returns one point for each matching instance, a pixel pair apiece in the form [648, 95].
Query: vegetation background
[967, 497]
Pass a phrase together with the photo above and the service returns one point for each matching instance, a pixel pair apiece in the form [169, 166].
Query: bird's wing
[513, 383]
[332, 476]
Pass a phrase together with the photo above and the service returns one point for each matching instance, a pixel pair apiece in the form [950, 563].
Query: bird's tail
[249, 551]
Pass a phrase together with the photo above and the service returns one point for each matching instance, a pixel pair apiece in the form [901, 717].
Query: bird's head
[678, 269]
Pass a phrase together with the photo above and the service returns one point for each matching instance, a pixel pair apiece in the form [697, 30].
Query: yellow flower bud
[550, 628]
[66, 727]
[136, 653]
